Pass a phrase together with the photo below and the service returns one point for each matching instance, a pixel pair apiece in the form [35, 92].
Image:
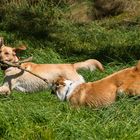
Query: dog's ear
[1, 41]
[20, 48]
[138, 66]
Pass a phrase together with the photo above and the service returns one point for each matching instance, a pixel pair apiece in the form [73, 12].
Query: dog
[23, 81]
[99, 93]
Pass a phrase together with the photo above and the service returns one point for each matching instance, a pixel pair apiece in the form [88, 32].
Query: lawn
[52, 35]
[42, 116]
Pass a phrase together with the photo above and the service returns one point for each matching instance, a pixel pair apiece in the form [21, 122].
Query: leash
[19, 67]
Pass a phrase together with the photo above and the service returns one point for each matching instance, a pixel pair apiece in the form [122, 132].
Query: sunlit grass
[114, 41]
[42, 116]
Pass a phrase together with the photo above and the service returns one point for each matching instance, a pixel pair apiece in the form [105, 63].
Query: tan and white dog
[26, 82]
[102, 92]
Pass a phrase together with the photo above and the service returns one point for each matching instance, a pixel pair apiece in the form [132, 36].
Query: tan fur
[9, 54]
[103, 92]
[26, 82]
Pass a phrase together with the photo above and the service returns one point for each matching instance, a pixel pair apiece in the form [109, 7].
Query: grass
[42, 116]
[53, 38]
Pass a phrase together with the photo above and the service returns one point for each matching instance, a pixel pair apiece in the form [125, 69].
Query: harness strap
[67, 92]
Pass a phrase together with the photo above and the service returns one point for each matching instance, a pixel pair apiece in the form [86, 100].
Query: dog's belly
[30, 85]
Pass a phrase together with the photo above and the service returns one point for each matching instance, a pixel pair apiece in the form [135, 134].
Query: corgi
[99, 93]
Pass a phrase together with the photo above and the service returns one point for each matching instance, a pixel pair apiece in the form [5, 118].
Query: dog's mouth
[3, 66]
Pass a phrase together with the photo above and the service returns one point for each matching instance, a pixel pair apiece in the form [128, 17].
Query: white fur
[23, 81]
[68, 88]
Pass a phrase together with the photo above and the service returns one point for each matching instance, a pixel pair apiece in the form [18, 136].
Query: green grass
[42, 116]
[46, 25]
[53, 38]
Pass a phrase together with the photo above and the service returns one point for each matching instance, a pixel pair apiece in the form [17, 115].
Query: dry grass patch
[105, 8]
[80, 12]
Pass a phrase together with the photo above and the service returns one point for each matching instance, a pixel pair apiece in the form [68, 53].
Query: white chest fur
[67, 90]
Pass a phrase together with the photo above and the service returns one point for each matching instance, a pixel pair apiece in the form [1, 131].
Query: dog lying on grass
[20, 80]
[99, 93]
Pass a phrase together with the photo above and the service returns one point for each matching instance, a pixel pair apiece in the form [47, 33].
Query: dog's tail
[90, 64]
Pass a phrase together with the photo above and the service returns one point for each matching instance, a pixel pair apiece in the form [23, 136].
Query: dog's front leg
[4, 90]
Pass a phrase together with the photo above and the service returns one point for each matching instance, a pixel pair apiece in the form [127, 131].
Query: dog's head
[9, 54]
[61, 87]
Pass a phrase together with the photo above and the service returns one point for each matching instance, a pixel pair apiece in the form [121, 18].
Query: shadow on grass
[3, 129]
[6, 98]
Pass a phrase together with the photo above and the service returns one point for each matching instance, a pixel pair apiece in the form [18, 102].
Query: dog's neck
[69, 88]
